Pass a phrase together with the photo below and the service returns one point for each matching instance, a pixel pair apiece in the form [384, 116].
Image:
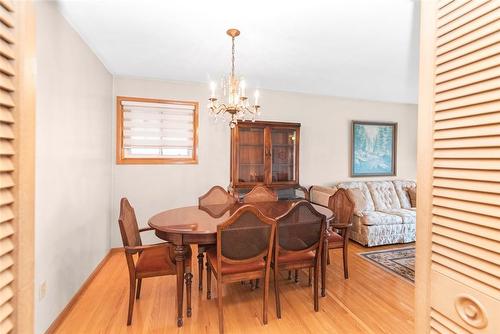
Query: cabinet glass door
[283, 150]
[251, 155]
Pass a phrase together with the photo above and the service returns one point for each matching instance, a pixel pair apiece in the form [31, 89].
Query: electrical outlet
[43, 290]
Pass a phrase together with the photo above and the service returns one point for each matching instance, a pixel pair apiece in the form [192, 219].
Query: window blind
[7, 167]
[158, 130]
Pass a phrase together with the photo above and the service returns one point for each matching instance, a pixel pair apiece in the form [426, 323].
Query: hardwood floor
[370, 301]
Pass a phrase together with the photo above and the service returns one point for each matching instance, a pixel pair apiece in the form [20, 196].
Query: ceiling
[366, 49]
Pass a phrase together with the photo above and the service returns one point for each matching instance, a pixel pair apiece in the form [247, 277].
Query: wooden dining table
[198, 225]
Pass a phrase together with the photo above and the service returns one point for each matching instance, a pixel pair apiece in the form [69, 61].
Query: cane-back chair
[298, 245]
[260, 194]
[215, 202]
[243, 252]
[150, 261]
[343, 209]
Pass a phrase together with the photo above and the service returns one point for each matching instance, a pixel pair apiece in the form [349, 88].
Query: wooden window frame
[120, 156]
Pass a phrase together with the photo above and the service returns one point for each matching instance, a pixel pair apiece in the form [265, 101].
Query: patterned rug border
[381, 266]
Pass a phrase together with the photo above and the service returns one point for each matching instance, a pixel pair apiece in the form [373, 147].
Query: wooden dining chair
[298, 245]
[152, 260]
[343, 209]
[295, 192]
[260, 194]
[243, 252]
[215, 200]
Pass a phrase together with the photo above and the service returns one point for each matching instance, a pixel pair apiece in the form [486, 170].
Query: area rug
[400, 261]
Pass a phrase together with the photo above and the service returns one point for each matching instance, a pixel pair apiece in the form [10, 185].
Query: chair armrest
[340, 226]
[135, 249]
[144, 229]
[344, 229]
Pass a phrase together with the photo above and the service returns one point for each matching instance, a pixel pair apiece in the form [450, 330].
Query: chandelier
[235, 104]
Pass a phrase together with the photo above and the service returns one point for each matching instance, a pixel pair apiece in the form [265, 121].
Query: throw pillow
[358, 198]
[412, 193]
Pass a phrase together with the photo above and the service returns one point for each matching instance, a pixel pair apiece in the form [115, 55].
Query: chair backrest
[216, 196]
[246, 236]
[301, 229]
[260, 194]
[342, 207]
[128, 224]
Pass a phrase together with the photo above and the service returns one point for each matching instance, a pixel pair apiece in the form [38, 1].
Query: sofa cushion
[384, 195]
[366, 194]
[380, 218]
[408, 216]
[321, 195]
[402, 187]
[358, 197]
[375, 235]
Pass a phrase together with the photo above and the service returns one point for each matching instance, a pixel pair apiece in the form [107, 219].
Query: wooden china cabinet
[264, 153]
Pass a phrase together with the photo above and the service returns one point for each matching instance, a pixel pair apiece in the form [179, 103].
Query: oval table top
[196, 220]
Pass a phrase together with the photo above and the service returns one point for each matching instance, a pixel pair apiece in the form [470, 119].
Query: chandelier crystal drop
[234, 104]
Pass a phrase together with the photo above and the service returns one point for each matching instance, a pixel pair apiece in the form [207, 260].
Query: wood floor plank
[371, 301]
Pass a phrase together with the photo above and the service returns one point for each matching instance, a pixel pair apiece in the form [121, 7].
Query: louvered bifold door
[6, 166]
[465, 232]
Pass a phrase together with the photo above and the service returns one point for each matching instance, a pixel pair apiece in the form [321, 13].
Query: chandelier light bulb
[243, 86]
[213, 86]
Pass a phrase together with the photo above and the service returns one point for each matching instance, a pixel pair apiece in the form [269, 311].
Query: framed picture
[373, 148]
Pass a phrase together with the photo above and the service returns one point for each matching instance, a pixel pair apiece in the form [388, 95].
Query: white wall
[73, 163]
[325, 145]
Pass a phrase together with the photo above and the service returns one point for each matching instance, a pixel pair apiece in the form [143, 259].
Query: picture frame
[373, 148]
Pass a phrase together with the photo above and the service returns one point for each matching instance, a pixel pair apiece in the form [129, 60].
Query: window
[152, 131]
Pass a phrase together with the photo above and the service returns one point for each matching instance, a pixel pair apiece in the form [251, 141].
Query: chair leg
[266, 297]
[200, 270]
[327, 256]
[257, 281]
[296, 275]
[289, 275]
[277, 293]
[131, 300]
[219, 305]
[316, 286]
[252, 286]
[310, 277]
[139, 284]
[189, 278]
[209, 281]
[324, 257]
[345, 254]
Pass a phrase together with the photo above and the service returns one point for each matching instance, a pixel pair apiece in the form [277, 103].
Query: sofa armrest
[321, 195]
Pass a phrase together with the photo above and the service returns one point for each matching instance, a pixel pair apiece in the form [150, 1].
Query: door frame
[24, 160]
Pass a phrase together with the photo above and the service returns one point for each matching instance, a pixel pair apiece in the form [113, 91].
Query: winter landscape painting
[373, 149]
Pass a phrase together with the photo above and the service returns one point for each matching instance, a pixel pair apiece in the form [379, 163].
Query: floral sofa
[383, 210]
